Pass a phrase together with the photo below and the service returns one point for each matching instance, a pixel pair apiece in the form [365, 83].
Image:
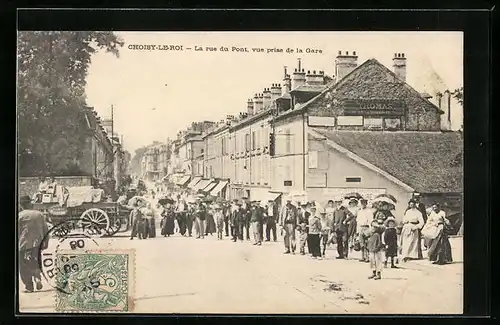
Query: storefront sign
[321, 121]
[350, 120]
[374, 107]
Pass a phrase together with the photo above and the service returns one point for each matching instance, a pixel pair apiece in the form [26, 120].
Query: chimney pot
[308, 71]
[395, 54]
[340, 52]
[314, 71]
[402, 55]
[354, 53]
[346, 52]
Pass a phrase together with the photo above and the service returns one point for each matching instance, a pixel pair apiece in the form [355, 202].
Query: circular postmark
[62, 236]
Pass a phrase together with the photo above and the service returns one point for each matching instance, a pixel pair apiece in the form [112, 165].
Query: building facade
[318, 137]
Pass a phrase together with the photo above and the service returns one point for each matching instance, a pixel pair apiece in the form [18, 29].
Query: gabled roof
[369, 80]
[429, 162]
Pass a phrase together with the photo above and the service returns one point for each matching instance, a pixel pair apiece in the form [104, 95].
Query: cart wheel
[95, 222]
[114, 227]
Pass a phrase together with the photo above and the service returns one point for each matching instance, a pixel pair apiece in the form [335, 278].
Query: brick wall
[29, 185]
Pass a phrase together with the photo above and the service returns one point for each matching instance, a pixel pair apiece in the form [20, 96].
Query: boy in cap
[376, 249]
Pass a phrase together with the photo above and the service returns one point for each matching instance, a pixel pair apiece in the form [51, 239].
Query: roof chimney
[266, 98]
[399, 66]
[315, 78]
[299, 77]
[250, 107]
[287, 83]
[345, 63]
[275, 92]
[257, 103]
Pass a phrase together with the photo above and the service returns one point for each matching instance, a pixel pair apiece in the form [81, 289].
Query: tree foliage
[135, 163]
[458, 94]
[52, 67]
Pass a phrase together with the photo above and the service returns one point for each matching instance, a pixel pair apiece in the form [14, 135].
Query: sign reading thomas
[374, 107]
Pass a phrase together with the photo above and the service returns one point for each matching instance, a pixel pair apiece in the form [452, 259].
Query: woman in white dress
[412, 223]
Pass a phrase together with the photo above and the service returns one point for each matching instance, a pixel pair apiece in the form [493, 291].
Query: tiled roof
[430, 162]
[371, 80]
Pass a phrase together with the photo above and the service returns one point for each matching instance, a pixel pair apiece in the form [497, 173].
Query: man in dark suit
[271, 213]
[32, 232]
[339, 222]
[288, 223]
[256, 221]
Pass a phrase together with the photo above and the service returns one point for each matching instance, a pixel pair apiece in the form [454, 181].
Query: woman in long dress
[167, 224]
[439, 248]
[410, 234]
[211, 227]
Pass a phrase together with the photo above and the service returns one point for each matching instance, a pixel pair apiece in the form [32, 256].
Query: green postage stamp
[95, 281]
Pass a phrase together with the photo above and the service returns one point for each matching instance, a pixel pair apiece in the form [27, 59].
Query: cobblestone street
[187, 275]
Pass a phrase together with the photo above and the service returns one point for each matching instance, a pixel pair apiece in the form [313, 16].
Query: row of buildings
[363, 129]
[103, 158]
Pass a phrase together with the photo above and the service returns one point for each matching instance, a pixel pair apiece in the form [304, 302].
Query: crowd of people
[349, 224]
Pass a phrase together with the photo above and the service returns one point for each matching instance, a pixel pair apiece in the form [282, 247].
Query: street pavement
[188, 275]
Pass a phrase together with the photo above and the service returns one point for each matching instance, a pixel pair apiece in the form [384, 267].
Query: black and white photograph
[290, 172]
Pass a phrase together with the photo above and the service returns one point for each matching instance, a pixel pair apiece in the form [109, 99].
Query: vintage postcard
[240, 172]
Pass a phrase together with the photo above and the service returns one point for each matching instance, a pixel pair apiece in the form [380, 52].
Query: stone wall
[29, 185]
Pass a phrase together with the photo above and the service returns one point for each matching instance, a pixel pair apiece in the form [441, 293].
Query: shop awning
[209, 187]
[183, 181]
[201, 184]
[216, 190]
[194, 181]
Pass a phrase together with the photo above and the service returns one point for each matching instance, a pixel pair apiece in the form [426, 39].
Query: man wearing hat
[246, 211]
[234, 220]
[32, 231]
[339, 221]
[288, 222]
[271, 214]
[256, 221]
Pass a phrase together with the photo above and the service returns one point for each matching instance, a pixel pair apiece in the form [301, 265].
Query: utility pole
[112, 123]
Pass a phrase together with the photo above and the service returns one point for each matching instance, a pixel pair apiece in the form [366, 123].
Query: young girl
[376, 249]
[391, 243]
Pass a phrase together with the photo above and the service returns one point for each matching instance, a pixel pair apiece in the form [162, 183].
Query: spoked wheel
[95, 222]
[115, 226]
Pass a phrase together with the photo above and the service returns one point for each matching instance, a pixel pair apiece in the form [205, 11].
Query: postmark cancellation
[95, 281]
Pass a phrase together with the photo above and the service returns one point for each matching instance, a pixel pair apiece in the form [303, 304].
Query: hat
[353, 201]
[363, 201]
[303, 204]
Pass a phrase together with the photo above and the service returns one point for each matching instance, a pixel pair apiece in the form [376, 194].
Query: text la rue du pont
[198, 48]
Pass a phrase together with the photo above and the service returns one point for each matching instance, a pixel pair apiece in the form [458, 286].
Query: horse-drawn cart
[85, 208]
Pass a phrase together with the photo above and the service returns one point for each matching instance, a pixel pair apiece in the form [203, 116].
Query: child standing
[391, 242]
[325, 231]
[376, 249]
[219, 219]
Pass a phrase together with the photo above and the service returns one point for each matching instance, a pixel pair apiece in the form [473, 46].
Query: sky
[156, 93]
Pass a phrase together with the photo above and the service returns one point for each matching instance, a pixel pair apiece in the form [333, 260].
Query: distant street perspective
[255, 179]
